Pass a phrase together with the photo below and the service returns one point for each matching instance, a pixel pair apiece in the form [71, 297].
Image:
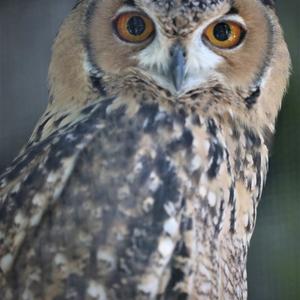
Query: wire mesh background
[27, 29]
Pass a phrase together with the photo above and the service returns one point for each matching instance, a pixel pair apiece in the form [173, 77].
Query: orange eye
[225, 34]
[134, 27]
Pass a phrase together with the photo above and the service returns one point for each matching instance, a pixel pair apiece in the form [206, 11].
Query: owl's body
[140, 182]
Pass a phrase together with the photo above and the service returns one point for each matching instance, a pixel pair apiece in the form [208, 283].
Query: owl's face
[225, 56]
[182, 45]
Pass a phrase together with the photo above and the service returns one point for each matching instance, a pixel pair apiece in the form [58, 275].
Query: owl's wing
[103, 208]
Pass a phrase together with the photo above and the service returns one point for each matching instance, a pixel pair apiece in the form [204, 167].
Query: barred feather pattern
[122, 204]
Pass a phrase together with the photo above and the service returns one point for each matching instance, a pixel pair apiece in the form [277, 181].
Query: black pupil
[222, 32]
[136, 25]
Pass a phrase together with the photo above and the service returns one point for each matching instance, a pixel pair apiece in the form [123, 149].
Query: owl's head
[177, 46]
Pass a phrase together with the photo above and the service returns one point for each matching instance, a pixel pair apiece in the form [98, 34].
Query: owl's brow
[129, 2]
[232, 11]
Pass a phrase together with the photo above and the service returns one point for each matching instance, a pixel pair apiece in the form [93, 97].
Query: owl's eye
[225, 34]
[134, 27]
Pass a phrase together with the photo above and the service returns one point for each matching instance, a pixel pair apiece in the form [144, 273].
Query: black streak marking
[177, 276]
[21, 162]
[186, 224]
[87, 109]
[184, 142]
[59, 120]
[98, 85]
[253, 140]
[168, 190]
[183, 296]
[235, 132]
[220, 218]
[257, 161]
[195, 96]
[95, 72]
[146, 169]
[187, 139]
[149, 112]
[231, 195]
[76, 4]
[252, 99]
[216, 152]
[40, 129]
[182, 250]
[90, 11]
[196, 120]
[248, 227]
[232, 218]
[212, 127]
[181, 116]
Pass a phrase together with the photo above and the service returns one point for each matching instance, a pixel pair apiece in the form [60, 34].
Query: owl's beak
[177, 65]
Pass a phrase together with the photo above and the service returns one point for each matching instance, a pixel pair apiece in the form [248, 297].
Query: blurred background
[27, 29]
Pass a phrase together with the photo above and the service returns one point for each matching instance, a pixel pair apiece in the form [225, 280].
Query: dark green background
[274, 260]
[27, 28]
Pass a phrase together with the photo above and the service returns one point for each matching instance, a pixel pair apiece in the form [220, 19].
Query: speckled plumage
[129, 190]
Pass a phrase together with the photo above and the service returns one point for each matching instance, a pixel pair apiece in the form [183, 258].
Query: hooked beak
[177, 66]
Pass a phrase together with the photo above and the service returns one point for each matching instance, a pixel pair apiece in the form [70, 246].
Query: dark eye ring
[134, 27]
[225, 34]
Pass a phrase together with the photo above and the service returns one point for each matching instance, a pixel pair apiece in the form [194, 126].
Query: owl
[141, 180]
